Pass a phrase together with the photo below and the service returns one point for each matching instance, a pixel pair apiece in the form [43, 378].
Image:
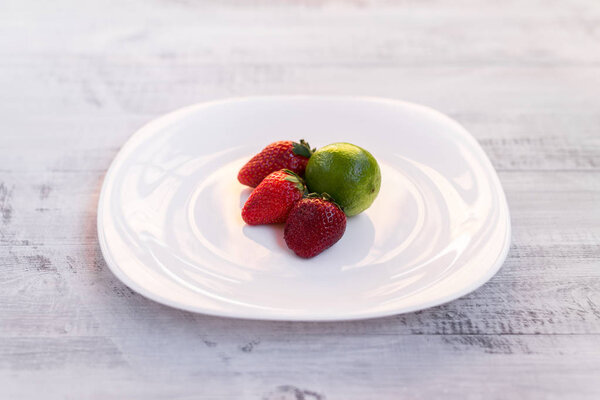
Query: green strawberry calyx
[303, 149]
[294, 178]
[323, 196]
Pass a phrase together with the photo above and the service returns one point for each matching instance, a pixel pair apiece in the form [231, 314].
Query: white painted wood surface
[77, 78]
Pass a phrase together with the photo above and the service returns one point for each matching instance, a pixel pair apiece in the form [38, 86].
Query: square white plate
[170, 227]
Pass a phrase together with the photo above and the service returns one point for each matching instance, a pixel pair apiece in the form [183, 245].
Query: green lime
[346, 172]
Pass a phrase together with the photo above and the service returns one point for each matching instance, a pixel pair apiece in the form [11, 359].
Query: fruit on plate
[315, 224]
[273, 198]
[344, 178]
[350, 174]
[283, 154]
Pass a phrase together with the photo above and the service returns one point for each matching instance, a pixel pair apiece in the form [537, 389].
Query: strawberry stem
[303, 149]
[295, 178]
[323, 196]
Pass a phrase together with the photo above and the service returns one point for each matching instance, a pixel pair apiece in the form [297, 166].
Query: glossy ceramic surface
[170, 227]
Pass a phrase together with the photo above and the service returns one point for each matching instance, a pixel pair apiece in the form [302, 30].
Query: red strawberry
[279, 155]
[315, 224]
[273, 198]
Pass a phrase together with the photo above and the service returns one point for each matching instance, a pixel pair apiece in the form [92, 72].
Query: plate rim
[278, 316]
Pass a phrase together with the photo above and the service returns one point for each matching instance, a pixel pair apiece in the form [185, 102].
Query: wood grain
[77, 80]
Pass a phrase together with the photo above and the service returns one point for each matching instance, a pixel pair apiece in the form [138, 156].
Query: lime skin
[348, 173]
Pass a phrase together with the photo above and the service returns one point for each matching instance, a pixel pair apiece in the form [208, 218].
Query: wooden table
[77, 79]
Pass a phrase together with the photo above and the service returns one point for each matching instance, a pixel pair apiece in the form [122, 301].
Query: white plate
[170, 227]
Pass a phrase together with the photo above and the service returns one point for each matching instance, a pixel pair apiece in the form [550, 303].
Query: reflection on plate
[170, 227]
